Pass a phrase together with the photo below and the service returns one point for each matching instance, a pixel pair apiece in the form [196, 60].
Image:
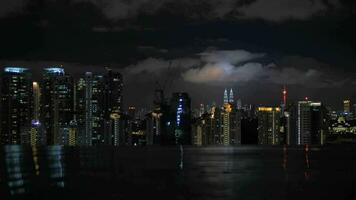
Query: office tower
[311, 121]
[347, 106]
[226, 124]
[269, 125]
[226, 98]
[239, 104]
[201, 110]
[231, 97]
[80, 111]
[215, 135]
[113, 93]
[180, 130]
[57, 104]
[304, 122]
[203, 130]
[153, 127]
[94, 109]
[36, 100]
[112, 106]
[37, 136]
[117, 128]
[132, 112]
[158, 122]
[16, 101]
[88, 108]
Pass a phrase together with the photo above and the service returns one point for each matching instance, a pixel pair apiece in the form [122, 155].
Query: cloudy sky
[198, 46]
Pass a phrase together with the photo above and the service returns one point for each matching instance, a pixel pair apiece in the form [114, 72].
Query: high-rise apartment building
[57, 103]
[268, 125]
[16, 105]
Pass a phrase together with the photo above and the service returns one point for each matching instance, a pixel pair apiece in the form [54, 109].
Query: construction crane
[167, 84]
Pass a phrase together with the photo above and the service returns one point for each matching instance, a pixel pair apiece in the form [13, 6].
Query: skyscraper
[347, 106]
[16, 101]
[226, 98]
[112, 106]
[113, 92]
[57, 104]
[268, 125]
[37, 136]
[180, 106]
[231, 97]
[311, 123]
[94, 109]
[226, 123]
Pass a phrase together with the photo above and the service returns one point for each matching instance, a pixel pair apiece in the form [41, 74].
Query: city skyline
[89, 110]
[271, 97]
[177, 99]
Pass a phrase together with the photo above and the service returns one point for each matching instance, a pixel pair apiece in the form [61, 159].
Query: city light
[55, 70]
[16, 70]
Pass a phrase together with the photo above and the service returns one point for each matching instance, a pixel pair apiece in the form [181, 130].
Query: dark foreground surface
[245, 172]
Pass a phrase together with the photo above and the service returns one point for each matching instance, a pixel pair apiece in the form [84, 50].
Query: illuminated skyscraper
[57, 103]
[37, 136]
[226, 98]
[226, 124]
[268, 125]
[231, 97]
[80, 111]
[36, 100]
[347, 106]
[16, 101]
[180, 122]
[94, 109]
[311, 123]
[113, 92]
[201, 110]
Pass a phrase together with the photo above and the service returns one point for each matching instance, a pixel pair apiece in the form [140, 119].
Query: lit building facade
[57, 106]
[226, 124]
[16, 101]
[311, 123]
[180, 124]
[347, 106]
[269, 125]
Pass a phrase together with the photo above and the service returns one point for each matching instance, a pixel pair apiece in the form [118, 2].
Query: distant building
[226, 124]
[16, 101]
[269, 125]
[57, 103]
[311, 123]
[154, 127]
[180, 124]
[94, 109]
[347, 106]
[342, 130]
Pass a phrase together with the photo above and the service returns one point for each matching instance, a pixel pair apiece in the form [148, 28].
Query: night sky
[197, 46]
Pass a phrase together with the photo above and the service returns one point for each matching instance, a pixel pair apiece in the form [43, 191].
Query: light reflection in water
[13, 161]
[35, 160]
[55, 164]
[307, 172]
[285, 157]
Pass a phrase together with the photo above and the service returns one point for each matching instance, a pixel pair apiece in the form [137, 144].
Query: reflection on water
[248, 172]
[55, 165]
[14, 171]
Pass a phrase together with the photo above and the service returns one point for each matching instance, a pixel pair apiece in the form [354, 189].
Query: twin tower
[228, 98]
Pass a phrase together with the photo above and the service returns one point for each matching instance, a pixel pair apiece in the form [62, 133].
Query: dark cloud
[202, 45]
[272, 10]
